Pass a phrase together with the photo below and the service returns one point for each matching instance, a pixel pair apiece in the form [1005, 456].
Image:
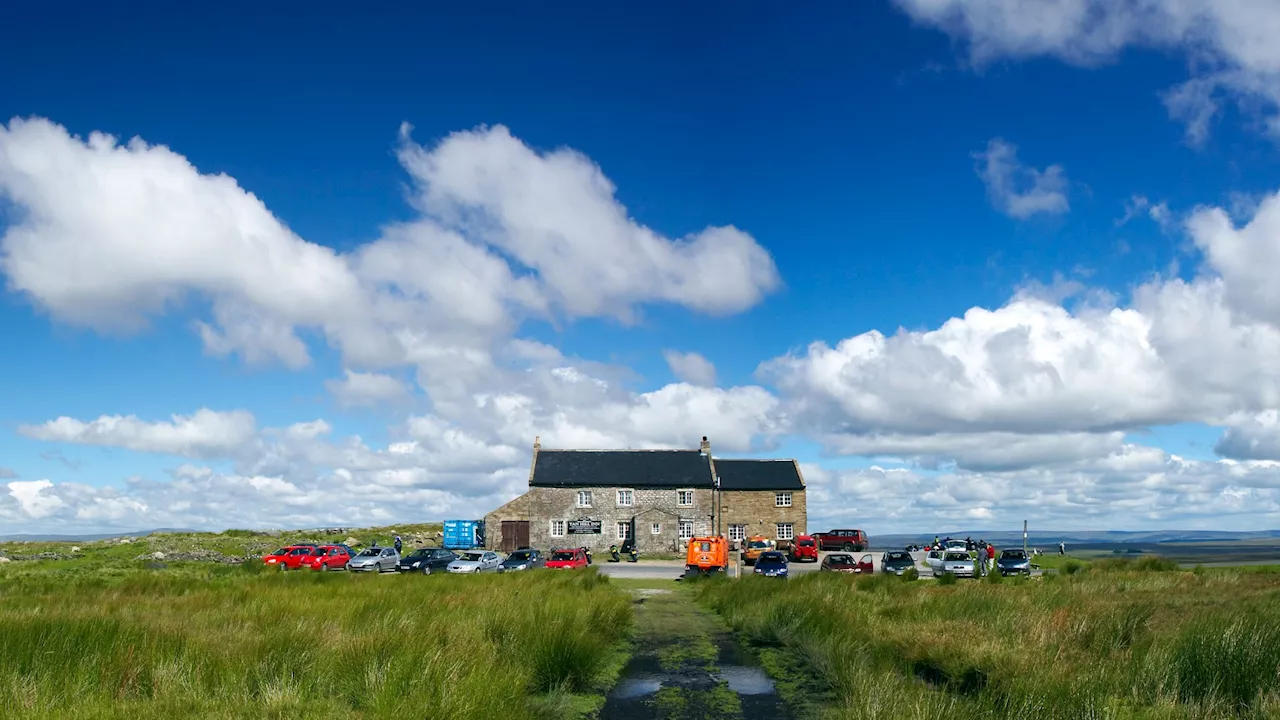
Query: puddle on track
[736, 672]
[746, 680]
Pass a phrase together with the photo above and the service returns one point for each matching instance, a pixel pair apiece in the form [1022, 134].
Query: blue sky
[875, 152]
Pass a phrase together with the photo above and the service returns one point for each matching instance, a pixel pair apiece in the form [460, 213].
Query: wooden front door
[515, 535]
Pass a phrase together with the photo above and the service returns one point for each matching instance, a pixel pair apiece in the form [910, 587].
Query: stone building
[598, 498]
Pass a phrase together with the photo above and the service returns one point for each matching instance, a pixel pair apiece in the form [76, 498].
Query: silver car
[956, 562]
[374, 560]
[475, 561]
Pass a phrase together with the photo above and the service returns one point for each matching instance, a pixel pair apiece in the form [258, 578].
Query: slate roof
[759, 475]
[624, 468]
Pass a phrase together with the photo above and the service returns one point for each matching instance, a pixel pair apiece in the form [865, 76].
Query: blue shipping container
[463, 534]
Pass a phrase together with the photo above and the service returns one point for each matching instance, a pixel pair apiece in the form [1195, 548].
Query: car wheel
[426, 570]
[324, 567]
[848, 547]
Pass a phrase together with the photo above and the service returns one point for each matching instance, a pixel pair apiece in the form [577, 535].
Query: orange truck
[707, 555]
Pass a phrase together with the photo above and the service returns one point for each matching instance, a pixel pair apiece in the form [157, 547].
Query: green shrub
[1071, 567]
[994, 576]
[910, 575]
[946, 578]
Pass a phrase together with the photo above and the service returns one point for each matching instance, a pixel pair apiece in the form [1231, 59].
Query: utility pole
[1024, 537]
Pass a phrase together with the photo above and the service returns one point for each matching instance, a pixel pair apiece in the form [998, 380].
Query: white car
[475, 561]
[950, 562]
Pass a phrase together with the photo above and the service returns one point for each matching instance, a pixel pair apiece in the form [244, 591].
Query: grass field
[1113, 639]
[230, 641]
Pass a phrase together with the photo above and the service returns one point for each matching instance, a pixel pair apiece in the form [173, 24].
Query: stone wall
[541, 505]
[758, 511]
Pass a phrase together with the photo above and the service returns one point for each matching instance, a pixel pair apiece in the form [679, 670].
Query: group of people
[985, 551]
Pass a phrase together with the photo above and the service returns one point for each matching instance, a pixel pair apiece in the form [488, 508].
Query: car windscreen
[562, 555]
[420, 554]
[756, 544]
[956, 556]
[370, 552]
[521, 555]
[806, 543]
[1013, 555]
[772, 557]
[473, 557]
[899, 556]
[281, 551]
[840, 559]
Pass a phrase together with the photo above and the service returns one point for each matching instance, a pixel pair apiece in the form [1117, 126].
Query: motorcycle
[613, 554]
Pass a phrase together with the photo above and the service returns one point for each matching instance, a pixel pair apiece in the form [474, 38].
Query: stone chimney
[533, 465]
[706, 447]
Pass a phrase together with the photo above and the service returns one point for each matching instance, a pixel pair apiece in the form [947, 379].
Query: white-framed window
[686, 529]
[782, 499]
[624, 531]
[557, 528]
[656, 528]
[625, 498]
[786, 531]
[584, 498]
[684, 498]
[738, 532]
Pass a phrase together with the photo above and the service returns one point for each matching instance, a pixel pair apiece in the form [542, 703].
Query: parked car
[771, 563]
[522, 559]
[475, 561]
[846, 540]
[953, 562]
[1014, 562]
[804, 549]
[896, 562]
[567, 559]
[707, 555]
[426, 561]
[844, 562]
[755, 547]
[330, 557]
[290, 557]
[374, 560]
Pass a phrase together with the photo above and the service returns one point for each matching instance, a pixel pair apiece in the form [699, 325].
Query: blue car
[1014, 562]
[772, 564]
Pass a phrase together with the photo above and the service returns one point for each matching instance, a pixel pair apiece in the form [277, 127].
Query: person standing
[399, 544]
[991, 557]
[1062, 548]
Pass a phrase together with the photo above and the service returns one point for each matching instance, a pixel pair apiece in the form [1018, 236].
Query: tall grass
[1118, 643]
[234, 643]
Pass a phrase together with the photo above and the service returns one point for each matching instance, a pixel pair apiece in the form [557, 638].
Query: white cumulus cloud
[368, 389]
[205, 433]
[1230, 44]
[1017, 190]
[691, 367]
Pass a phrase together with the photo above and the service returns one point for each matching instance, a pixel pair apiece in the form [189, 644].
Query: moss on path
[687, 665]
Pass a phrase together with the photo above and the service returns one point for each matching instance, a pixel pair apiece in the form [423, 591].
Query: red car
[567, 559]
[291, 557]
[844, 562]
[804, 549]
[330, 557]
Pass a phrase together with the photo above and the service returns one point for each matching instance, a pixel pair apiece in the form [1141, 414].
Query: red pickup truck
[847, 540]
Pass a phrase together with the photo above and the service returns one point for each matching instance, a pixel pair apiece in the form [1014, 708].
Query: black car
[896, 562]
[426, 561]
[522, 559]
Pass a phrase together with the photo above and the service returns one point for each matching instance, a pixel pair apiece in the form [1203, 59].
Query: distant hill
[86, 538]
[1081, 537]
